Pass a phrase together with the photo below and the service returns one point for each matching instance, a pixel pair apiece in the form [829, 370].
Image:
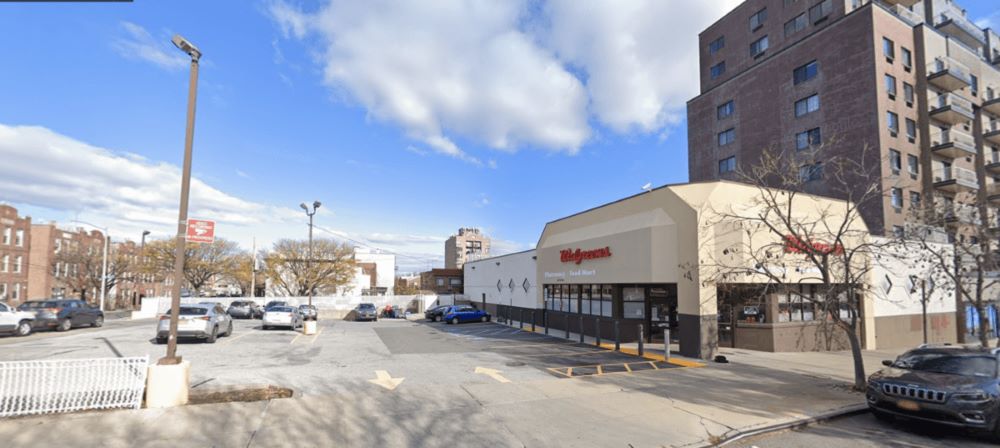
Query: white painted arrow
[492, 373]
[385, 380]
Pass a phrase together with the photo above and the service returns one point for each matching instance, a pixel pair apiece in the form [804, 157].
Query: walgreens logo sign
[577, 256]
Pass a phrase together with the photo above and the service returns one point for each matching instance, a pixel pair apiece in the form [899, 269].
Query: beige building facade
[468, 244]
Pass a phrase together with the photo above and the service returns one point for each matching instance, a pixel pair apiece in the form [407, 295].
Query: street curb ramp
[736, 435]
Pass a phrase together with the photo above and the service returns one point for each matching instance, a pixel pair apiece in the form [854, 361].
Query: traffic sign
[200, 231]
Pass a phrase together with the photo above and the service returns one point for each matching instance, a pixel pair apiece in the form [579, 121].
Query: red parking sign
[200, 231]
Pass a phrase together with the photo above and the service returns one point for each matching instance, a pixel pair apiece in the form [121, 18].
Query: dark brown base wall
[791, 337]
[907, 331]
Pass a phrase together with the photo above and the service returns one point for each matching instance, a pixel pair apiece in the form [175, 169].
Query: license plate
[908, 405]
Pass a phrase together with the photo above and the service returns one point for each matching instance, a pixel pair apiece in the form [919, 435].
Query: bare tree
[815, 251]
[242, 271]
[202, 262]
[332, 266]
[80, 266]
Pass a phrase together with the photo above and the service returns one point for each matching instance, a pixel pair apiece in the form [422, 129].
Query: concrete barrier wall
[329, 306]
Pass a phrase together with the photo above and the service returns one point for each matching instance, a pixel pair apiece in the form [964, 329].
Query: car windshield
[282, 309]
[239, 304]
[366, 306]
[307, 307]
[981, 366]
[193, 311]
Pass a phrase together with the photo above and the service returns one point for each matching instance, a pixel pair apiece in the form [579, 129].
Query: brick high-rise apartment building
[914, 80]
[468, 244]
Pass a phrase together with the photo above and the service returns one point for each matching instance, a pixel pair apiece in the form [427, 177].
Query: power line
[372, 246]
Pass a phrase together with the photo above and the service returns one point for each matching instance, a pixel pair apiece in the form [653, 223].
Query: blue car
[464, 313]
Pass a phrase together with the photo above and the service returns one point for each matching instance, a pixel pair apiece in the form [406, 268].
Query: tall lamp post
[104, 262]
[175, 303]
[142, 261]
[310, 214]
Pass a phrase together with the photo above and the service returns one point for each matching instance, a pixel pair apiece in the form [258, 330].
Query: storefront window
[634, 303]
[606, 300]
[797, 306]
[574, 297]
[585, 295]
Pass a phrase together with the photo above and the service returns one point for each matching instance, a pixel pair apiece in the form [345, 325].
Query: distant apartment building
[15, 256]
[916, 81]
[380, 268]
[443, 281]
[58, 261]
[468, 244]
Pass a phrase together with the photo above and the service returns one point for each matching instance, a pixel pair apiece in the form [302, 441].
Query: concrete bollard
[532, 321]
[640, 339]
[581, 328]
[545, 322]
[168, 385]
[520, 318]
[566, 322]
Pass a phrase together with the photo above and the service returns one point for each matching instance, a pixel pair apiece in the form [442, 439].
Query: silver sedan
[201, 321]
[282, 316]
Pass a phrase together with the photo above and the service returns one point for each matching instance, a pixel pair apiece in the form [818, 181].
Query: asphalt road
[863, 431]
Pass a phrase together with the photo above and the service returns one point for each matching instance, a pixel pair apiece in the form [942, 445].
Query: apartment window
[973, 85]
[911, 130]
[805, 72]
[890, 86]
[795, 25]
[896, 199]
[19, 238]
[897, 231]
[3, 291]
[716, 45]
[895, 161]
[995, 153]
[907, 58]
[55, 270]
[757, 20]
[893, 121]
[908, 94]
[5, 266]
[726, 110]
[807, 105]
[455, 281]
[914, 199]
[6, 235]
[727, 165]
[808, 138]
[17, 292]
[726, 137]
[811, 172]
[888, 49]
[913, 164]
[821, 11]
[17, 264]
[718, 70]
[440, 281]
[758, 47]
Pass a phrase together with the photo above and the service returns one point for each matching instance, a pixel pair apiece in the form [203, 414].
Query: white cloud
[140, 45]
[122, 191]
[243, 174]
[482, 201]
[446, 71]
[492, 163]
[509, 74]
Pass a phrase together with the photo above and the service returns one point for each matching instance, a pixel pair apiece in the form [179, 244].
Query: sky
[407, 119]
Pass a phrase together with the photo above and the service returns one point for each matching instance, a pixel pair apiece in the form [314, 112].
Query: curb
[845, 411]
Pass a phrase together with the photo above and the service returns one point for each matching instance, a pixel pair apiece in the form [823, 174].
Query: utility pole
[175, 303]
[253, 269]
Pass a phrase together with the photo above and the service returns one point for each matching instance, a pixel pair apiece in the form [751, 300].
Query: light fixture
[186, 46]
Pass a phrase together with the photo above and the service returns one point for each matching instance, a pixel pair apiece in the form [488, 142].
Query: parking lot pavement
[863, 431]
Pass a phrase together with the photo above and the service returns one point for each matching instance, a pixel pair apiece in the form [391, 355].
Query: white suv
[14, 321]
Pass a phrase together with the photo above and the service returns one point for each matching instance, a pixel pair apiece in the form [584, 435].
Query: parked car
[63, 314]
[14, 321]
[275, 303]
[435, 314]
[465, 313]
[309, 312]
[246, 309]
[366, 311]
[282, 316]
[955, 386]
[200, 321]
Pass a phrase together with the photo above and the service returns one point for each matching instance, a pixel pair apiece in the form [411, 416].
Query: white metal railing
[52, 386]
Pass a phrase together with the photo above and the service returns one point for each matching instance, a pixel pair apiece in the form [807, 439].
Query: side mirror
[887, 363]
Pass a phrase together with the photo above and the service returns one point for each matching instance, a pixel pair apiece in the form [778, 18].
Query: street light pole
[305, 207]
[142, 262]
[175, 303]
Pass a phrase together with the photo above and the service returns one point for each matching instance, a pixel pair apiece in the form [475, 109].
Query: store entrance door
[662, 312]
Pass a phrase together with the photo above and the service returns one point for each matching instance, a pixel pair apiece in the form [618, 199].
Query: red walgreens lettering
[577, 256]
[794, 245]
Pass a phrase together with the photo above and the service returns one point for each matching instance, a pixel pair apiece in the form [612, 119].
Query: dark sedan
[949, 385]
[63, 314]
[435, 314]
[245, 309]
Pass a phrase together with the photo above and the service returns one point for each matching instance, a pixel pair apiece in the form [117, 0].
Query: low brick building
[443, 281]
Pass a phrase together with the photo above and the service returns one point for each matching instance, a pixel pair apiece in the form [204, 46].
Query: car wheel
[229, 332]
[485, 319]
[454, 320]
[437, 318]
[64, 325]
[99, 322]
[213, 335]
[265, 327]
[23, 328]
